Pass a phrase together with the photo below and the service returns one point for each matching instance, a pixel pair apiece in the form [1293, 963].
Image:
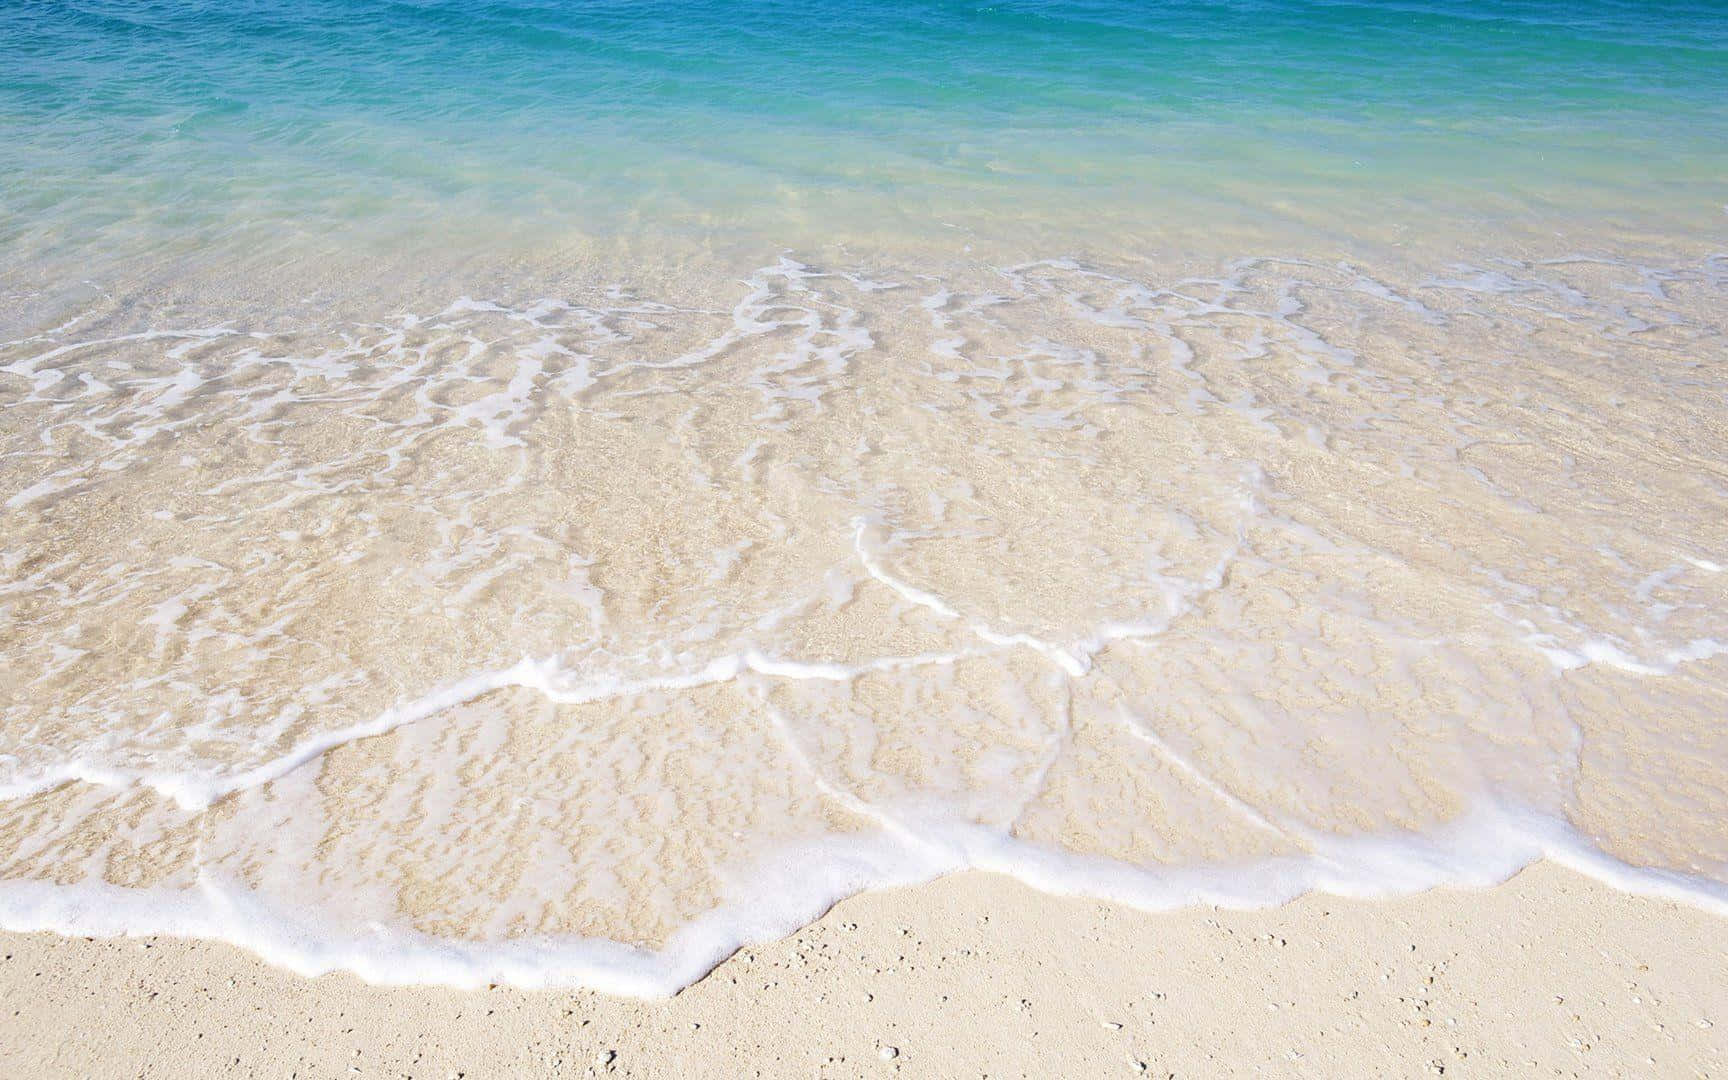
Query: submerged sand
[577, 635]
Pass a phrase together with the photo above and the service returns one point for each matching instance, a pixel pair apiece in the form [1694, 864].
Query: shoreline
[1481, 850]
[972, 974]
[771, 576]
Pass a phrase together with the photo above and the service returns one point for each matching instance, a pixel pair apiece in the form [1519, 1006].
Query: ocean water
[132, 126]
[550, 492]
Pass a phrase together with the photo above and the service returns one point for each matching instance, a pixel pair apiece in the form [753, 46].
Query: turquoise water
[127, 125]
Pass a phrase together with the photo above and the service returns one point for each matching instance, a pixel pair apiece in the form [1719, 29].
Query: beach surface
[817, 539]
[1550, 974]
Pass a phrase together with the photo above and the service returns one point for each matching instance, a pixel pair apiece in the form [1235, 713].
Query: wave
[577, 640]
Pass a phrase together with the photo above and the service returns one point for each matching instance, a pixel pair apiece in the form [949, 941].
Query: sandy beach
[973, 975]
[1041, 538]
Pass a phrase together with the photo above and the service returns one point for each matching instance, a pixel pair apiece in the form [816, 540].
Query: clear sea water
[256, 121]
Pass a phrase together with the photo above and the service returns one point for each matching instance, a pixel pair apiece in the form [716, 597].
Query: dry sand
[973, 975]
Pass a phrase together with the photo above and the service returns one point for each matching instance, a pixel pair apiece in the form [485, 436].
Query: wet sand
[576, 637]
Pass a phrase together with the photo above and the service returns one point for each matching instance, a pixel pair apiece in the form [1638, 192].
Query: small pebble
[889, 1053]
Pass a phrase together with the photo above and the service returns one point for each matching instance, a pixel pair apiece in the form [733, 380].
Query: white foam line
[1066, 659]
[798, 885]
[1075, 659]
[855, 804]
[1188, 769]
[1610, 654]
[873, 567]
[1057, 742]
[30, 365]
[195, 792]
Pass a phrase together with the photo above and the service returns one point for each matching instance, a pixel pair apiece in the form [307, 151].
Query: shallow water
[549, 492]
[134, 125]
